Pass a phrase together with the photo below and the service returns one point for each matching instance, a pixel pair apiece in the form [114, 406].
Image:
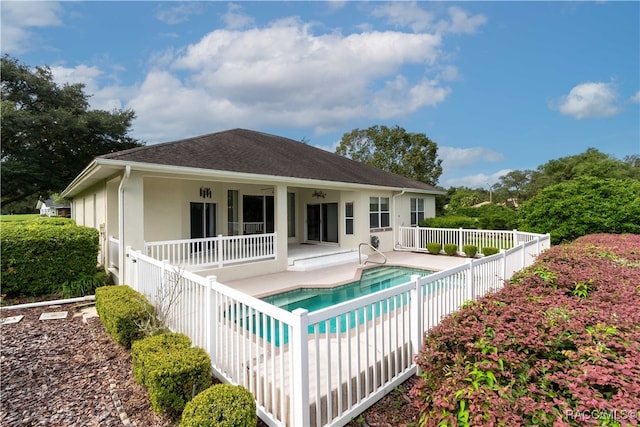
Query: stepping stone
[12, 319]
[54, 315]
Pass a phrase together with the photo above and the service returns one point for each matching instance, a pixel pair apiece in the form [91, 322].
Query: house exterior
[242, 182]
[50, 208]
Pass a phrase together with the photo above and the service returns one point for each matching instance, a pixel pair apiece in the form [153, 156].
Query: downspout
[395, 213]
[121, 247]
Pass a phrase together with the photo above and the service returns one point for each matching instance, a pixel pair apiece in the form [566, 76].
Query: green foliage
[488, 251]
[492, 217]
[221, 405]
[40, 255]
[176, 377]
[394, 150]
[450, 221]
[84, 285]
[585, 205]
[122, 310]
[564, 339]
[465, 198]
[434, 247]
[48, 133]
[470, 250]
[146, 351]
[450, 249]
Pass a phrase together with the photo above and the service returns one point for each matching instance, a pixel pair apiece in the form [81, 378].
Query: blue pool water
[372, 280]
[313, 299]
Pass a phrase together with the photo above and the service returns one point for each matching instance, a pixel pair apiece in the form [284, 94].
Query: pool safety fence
[320, 368]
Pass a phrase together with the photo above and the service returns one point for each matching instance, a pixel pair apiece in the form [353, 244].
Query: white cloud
[636, 98]
[588, 100]
[18, 17]
[412, 15]
[100, 97]
[234, 19]
[480, 180]
[285, 75]
[178, 14]
[461, 22]
[457, 158]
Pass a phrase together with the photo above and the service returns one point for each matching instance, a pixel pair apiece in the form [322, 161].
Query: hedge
[122, 310]
[145, 352]
[39, 256]
[558, 344]
[221, 405]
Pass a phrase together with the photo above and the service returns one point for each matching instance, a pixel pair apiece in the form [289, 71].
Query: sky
[498, 86]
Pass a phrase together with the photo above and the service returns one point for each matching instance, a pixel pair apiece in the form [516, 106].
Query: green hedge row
[172, 371]
[40, 255]
[221, 405]
[123, 311]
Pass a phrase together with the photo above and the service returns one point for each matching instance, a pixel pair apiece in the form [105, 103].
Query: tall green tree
[394, 150]
[524, 185]
[49, 134]
[584, 205]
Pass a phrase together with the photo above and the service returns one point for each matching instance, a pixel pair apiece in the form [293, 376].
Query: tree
[523, 185]
[394, 150]
[48, 133]
[585, 205]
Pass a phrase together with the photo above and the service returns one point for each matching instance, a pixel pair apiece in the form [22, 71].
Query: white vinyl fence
[214, 251]
[416, 238]
[114, 252]
[320, 368]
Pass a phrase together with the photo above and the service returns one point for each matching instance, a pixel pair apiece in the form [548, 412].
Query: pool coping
[271, 284]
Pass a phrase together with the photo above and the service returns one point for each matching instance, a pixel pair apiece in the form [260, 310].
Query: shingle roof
[241, 150]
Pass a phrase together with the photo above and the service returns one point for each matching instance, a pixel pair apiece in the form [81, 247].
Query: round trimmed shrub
[470, 250]
[221, 405]
[450, 249]
[489, 250]
[434, 247]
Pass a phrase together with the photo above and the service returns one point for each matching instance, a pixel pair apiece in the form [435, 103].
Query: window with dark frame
[379, 214]
[417, 211]
[348, 218]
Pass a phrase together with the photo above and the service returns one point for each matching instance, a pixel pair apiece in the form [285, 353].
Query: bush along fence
[323, 367]
[420, 238]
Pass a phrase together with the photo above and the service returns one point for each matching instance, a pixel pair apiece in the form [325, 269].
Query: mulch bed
[69, 372]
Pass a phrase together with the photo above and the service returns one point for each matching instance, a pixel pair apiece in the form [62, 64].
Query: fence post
[515, 237]
[417, 307]
[211, 317]
[221, 250]
[470, 284]
[300, 368]
[416, 238]
[503, 265]
[460, 240]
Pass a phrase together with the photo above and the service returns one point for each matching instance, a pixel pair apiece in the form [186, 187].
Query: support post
[300, 375]
[211, 316]
[222, 250]
[470, 284]
[417, 307]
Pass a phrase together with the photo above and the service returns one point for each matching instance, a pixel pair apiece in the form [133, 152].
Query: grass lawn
[18, 218]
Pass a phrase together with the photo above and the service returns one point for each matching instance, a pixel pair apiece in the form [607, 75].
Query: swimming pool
[312, 299]
[372, 280]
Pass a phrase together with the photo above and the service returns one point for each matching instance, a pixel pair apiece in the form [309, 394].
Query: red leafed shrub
[558, 346]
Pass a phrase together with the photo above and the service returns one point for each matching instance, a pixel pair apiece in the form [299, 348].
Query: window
[417, 211]
[348, 218]
[378, 212]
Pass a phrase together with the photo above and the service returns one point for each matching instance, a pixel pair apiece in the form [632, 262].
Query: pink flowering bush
[558, 346]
